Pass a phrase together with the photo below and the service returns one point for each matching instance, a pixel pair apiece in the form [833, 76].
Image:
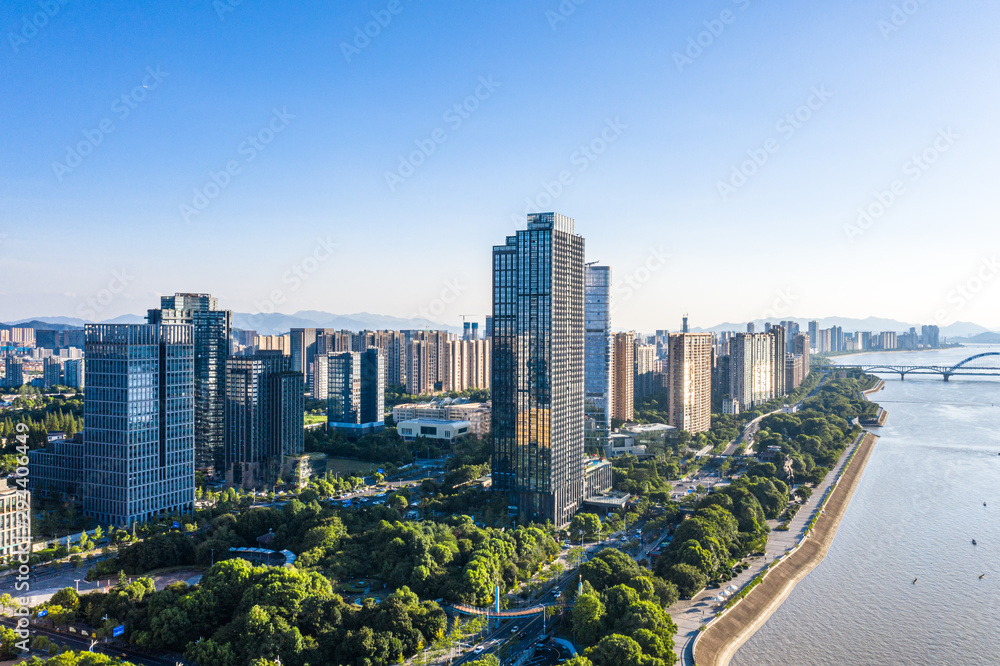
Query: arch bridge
[946, 372]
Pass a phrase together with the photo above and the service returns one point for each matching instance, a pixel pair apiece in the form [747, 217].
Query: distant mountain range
[265, 324]
[278, 323]
[961, 329]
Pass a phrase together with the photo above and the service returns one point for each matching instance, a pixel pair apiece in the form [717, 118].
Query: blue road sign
[42, 613]
[380, 471]
[176, 525]
[118, 631]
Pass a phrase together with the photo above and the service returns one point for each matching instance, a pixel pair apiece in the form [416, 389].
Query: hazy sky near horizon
[715, 154]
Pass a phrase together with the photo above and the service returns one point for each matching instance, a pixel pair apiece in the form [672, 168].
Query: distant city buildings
[645, 359]
[538, 370]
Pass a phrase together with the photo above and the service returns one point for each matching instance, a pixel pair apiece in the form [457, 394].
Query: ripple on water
[914, 513]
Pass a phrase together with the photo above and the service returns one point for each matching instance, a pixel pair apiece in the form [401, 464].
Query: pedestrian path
[691, 614]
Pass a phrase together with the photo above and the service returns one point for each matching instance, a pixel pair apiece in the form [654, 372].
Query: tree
[688, 579]
[587, 618]
[8, 643]
[589, 524]
[616, 650]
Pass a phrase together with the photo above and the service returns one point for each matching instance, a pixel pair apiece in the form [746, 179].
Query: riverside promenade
[723, 636]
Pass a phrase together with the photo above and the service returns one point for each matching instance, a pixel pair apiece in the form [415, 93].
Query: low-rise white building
[435, 429]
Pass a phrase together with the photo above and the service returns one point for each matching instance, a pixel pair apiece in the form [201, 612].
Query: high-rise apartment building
[802, 349]
[645, 357]
[51, 372]
[426, 355]
[814, 333]
[538, 369]
[212, 342]
[466, 365]
[757, 367]
[14, 369]
[139, 421]
[73, 371]
[690, 381]
[623, 376]
[264, 407]
[597, 356]
[930, 335]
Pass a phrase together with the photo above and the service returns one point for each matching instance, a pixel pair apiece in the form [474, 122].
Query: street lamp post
[77, 581]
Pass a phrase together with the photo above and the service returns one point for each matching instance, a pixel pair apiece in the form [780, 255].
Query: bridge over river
[945, 372]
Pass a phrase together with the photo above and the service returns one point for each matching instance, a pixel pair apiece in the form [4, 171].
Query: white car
[478, 649]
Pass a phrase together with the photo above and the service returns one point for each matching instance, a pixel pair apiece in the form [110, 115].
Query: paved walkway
[690, 614]
[724, 637]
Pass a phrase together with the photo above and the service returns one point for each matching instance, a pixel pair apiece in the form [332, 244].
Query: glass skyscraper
[212, 328]
[138, 422]
[538, 369]
[264, 407]
[355, 399]
[597, 361]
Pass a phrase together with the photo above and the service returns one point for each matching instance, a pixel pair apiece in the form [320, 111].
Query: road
[78, 642]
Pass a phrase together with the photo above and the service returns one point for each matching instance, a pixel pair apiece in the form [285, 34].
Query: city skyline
[665, 125]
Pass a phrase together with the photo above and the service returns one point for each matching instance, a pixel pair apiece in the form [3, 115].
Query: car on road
[478, 649]
[514, 630]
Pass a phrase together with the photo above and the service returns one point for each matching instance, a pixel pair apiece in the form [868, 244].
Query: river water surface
[914, 514]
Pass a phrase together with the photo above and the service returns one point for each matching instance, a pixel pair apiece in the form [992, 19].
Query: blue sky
[644, 125]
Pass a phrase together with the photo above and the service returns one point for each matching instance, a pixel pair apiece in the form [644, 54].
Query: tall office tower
[488, 330]
[623, 376]
[690, 381]
[139, 421]
[802, 349]
[684, 324]
[14, 368]
[264, 407]
[467, 330]
[538, 367]
[750, 327]
[355, 399]
[722, 374]
[757, 367]
[814, 334]
[73, 370]
[51, 372]
[597, 356]
[212, 346]
[645, 356]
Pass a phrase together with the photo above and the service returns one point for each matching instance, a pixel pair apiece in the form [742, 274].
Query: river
[914, 514]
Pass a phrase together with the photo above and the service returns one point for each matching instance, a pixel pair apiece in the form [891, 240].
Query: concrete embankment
[724, 635]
